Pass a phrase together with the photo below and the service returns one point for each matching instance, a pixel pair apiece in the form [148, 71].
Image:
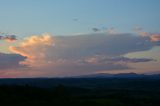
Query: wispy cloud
[137, 29]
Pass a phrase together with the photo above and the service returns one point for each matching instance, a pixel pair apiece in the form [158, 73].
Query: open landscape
[95, 91]
[79, 52]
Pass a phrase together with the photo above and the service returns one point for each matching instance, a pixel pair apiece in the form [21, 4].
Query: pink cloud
[155, 37]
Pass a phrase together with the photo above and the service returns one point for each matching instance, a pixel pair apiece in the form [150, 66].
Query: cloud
[9, 38]
[34, 48]
[75, 19]
[155, 37]
[137, 29]
[81, 53]
[10, 61]
[112, 30]
[119, 59]
[95, 29]
[144, 34]
[100, 44]
[130, 60]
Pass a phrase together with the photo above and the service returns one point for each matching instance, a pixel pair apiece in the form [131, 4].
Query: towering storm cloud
[34, 49]
[82, 53]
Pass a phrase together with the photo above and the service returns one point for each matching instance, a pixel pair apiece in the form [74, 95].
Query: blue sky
[25, 17]
[110, 36]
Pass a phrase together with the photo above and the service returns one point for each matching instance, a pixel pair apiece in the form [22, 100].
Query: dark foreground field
[80, 92]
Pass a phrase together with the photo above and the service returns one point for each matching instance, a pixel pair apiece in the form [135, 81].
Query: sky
[58, 38]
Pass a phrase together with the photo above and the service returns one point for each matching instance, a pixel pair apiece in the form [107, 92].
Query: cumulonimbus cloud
[90, 52]
[34, 49]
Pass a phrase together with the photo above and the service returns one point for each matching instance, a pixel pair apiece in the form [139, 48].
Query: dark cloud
[129, 60]
[1, 37]
[10, 61]
[9, 38]
[75, 69]
[95, 29]
[75, 19]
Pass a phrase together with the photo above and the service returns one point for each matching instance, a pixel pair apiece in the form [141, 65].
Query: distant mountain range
[120, 80]
[120, 75]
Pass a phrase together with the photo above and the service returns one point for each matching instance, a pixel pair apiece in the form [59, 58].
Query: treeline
[61, 95]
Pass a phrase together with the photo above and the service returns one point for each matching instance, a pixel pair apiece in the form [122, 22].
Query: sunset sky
[58, 38]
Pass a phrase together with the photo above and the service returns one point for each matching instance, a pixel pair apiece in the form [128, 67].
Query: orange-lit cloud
[155, 37]
[34, 49]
